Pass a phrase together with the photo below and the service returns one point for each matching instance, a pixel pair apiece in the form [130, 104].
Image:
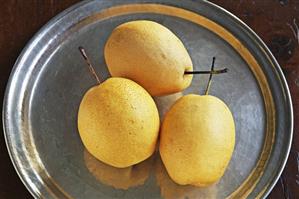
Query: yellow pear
[119, 178]
[118, 122]
[197, 139]
[151, 55]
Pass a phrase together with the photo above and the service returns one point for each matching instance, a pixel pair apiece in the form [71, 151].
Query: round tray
[50, 78]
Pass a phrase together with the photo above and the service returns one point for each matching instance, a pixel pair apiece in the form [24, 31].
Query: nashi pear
[197, 140]
[149, 54]
[118, 122]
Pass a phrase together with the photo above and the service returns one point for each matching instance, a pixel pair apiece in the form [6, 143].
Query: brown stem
[210, 78]
[91, 68]
[224, 70]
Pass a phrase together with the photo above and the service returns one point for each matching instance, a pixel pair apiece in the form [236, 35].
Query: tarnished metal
[50, 78]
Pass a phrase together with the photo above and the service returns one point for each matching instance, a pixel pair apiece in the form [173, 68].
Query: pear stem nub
[91, 68]
[210, 78]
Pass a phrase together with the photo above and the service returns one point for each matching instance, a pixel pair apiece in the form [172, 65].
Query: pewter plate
[50, 78]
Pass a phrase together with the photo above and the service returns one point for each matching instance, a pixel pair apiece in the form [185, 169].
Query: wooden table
[273, 20]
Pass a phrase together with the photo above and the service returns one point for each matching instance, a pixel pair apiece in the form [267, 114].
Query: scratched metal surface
[50, 79]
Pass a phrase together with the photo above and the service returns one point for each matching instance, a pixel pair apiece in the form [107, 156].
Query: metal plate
[50, 78]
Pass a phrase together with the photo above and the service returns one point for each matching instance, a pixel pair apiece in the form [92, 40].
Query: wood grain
[274, 21]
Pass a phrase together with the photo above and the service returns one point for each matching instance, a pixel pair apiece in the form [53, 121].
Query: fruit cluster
[118, 120]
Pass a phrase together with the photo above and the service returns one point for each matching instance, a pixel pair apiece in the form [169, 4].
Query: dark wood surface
[273, 20]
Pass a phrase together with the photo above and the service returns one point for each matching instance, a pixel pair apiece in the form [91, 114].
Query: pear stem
[91, 68]
[224, 70]
[210, 78]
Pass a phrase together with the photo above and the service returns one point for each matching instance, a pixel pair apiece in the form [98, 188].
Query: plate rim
[285, 85]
